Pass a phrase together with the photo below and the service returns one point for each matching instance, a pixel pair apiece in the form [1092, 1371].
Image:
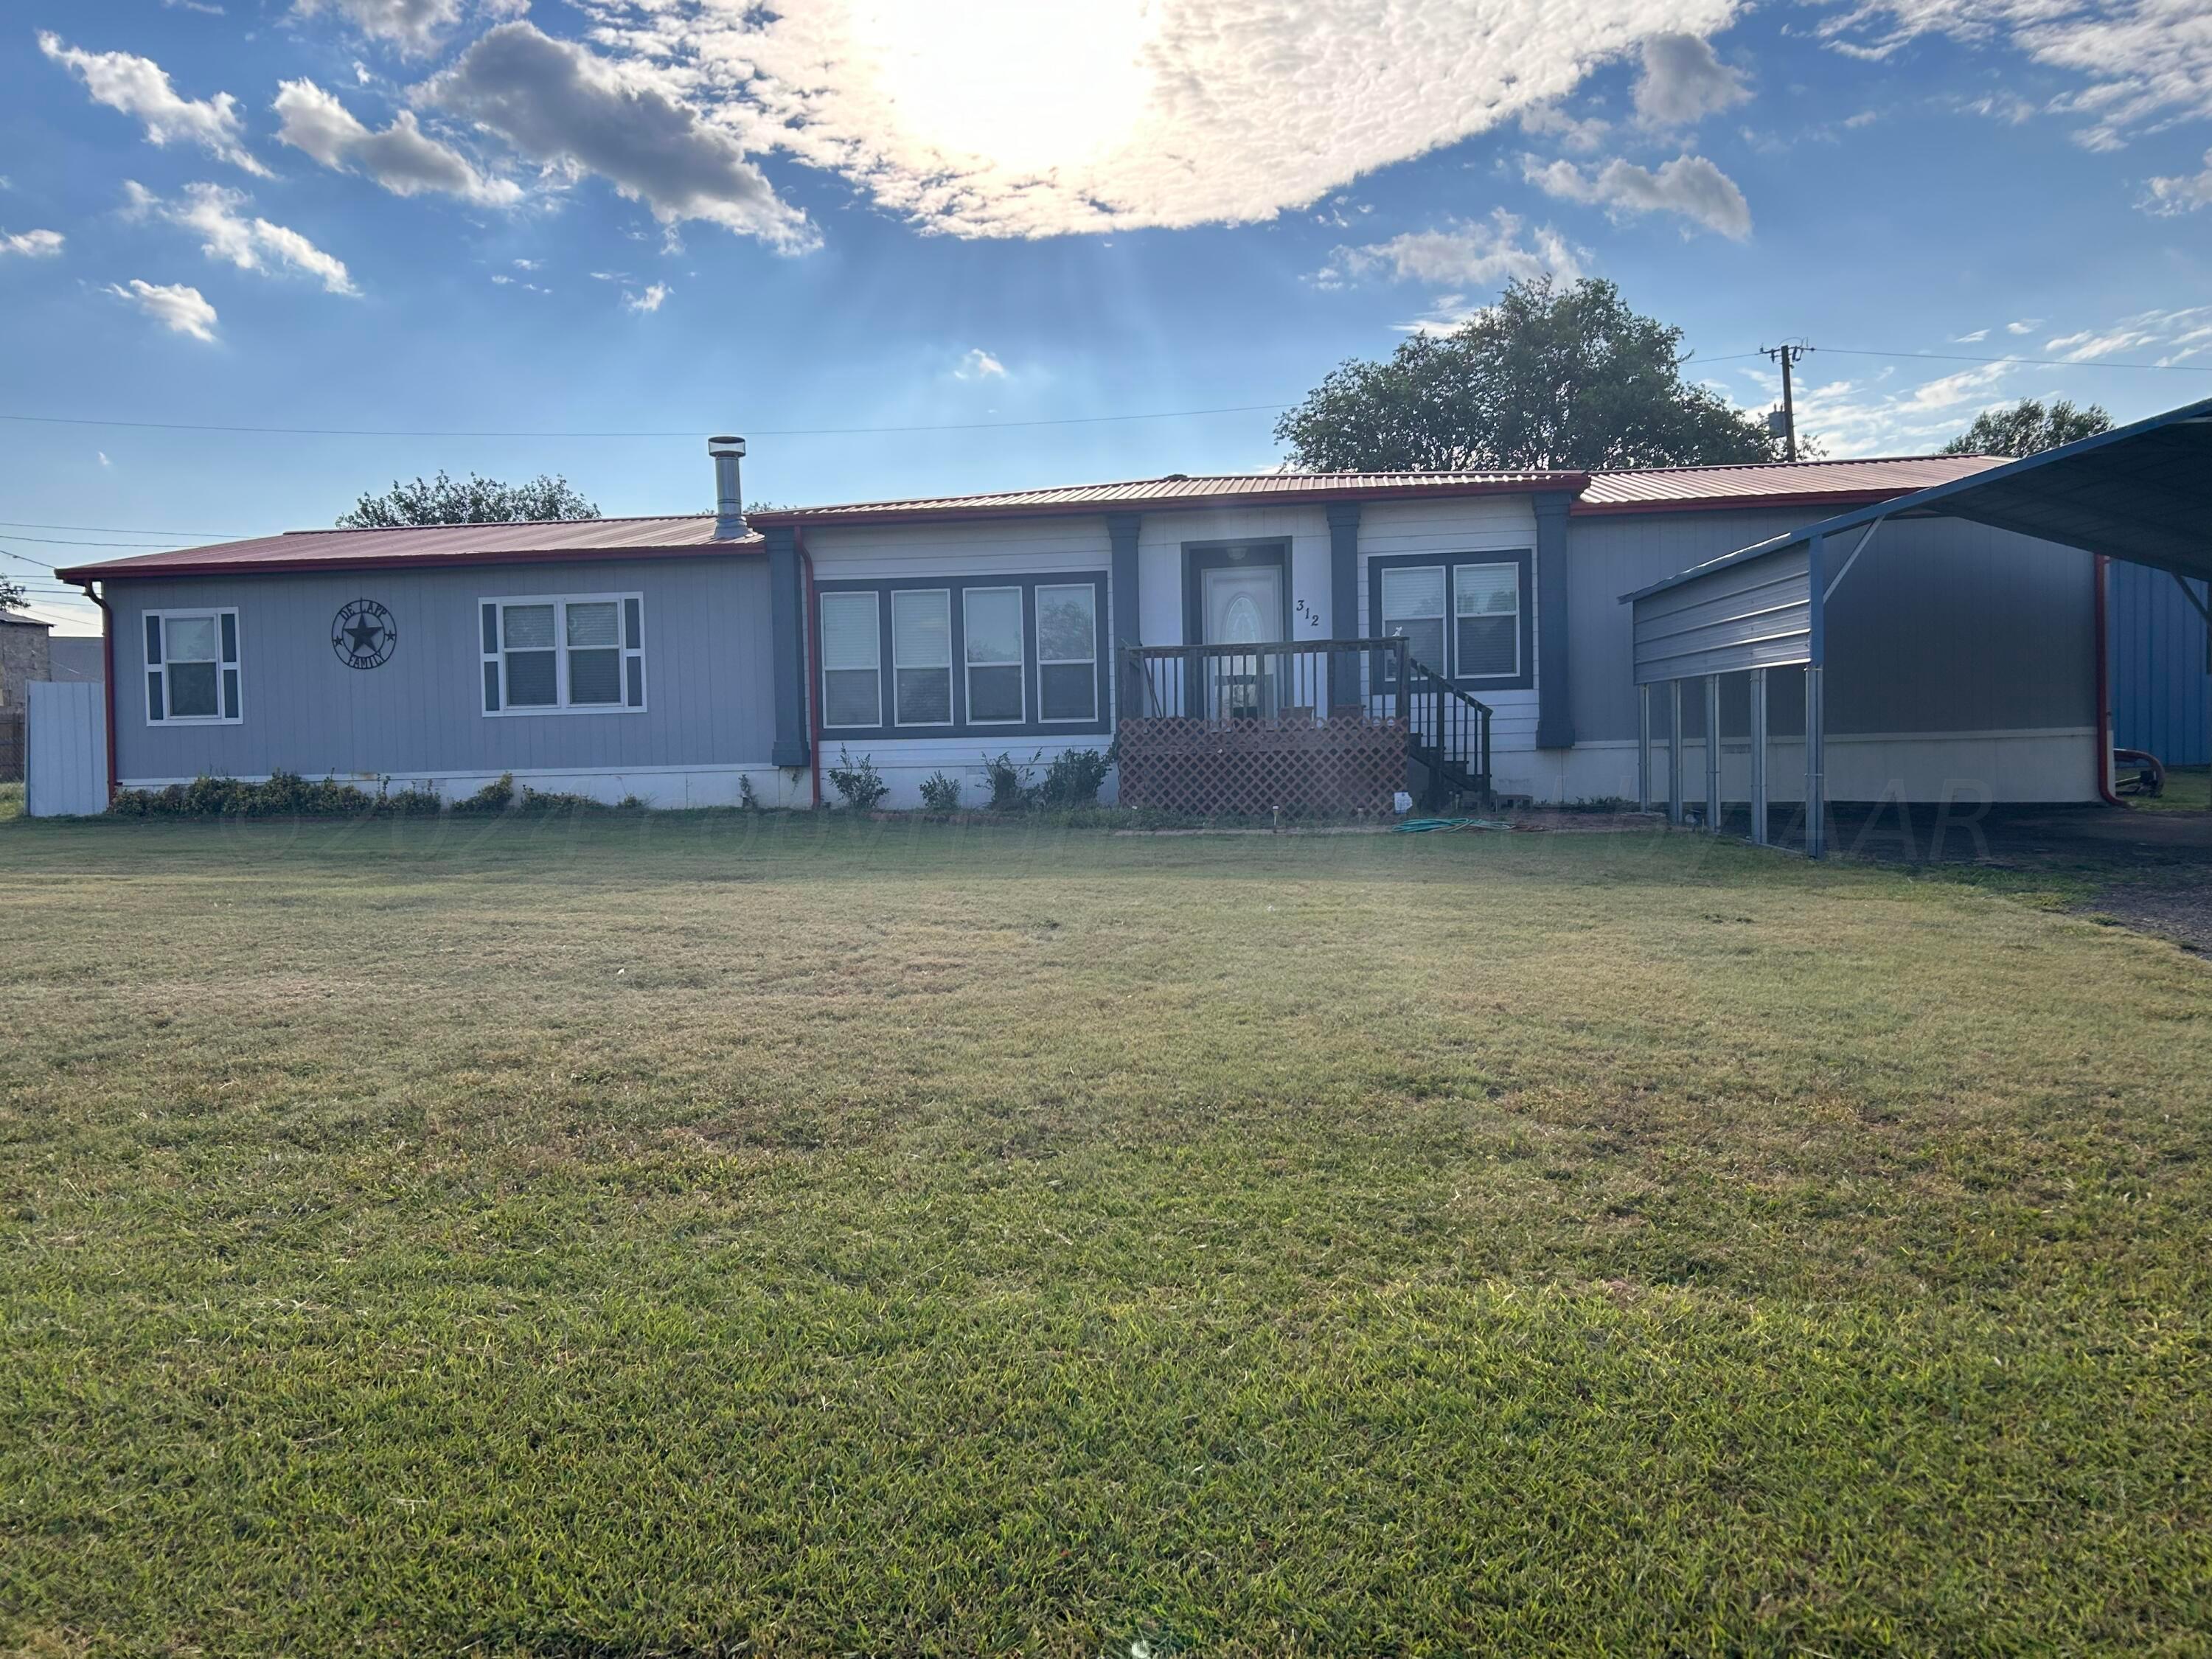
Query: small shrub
[747, 800]
[940, 793]
[1075, 778]
[1011, 790]
[497, 796]
[861, 785]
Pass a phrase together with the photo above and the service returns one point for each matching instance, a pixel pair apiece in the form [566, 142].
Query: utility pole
[1786, 354]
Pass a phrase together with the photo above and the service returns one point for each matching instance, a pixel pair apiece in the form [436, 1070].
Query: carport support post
[1674, 751]
[1713, 753]
[1758, 756]
[1643, 748]
[1816, 776]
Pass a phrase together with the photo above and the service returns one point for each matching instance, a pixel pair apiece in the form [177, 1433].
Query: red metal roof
[1795, 483]
[456, 543]
[1177, 490]
[1655, 489]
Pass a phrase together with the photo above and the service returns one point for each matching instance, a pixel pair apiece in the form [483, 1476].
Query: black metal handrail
[1286, 681]
[1448, 732]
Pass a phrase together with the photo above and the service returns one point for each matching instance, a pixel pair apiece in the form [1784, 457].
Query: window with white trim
[1465, 616]
[851, 661]
[1068, 652]
[991, 618]
[1487, 619]
[192, 668]
[921, 655]
[1414, 608]
[581, 653]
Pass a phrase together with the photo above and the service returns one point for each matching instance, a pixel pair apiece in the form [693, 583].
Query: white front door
[1242, 606]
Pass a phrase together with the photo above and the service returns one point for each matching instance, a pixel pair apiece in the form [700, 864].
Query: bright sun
[1026, 85]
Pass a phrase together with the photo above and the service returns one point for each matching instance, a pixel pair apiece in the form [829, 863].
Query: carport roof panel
[2140, 492]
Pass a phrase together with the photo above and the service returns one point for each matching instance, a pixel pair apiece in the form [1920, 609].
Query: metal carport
[2141, 493]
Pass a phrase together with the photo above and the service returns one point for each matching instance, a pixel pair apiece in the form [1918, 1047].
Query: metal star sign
[363, 634]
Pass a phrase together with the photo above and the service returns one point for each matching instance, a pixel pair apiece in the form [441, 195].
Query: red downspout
[2104, 689]
[813, 656]
[107, 675]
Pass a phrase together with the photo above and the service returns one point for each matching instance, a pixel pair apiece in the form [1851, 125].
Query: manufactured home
[1277, 639]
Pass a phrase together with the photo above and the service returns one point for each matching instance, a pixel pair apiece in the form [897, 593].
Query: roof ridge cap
[486, 524]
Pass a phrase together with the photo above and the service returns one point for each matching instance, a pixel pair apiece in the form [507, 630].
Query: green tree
[2029, 426]
[1549, 377]
[442, 500]
[11, 594]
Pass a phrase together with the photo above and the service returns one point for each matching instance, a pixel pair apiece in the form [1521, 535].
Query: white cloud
[974, 119]
[650, 301]
[403, 158]
[528, 264]
[1550, 121]
[560, 105]
[102, 454]
[2025, 325]
[412, 28]
[1974, 339]
[140, 87]
[31, 244]
[1689, 185]
[980, 365]
[2139, 60]
[1683, 81]
[174, 306]
[1478, 253]
[215, 215]
[2184, 194]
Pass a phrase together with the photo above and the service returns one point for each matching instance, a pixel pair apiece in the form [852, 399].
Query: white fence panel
[65, 772]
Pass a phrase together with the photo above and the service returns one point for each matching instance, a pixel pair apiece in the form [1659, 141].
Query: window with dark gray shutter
[192, 667]
[581, 653]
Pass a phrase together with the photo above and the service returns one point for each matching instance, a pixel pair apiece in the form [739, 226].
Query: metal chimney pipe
[729, 497]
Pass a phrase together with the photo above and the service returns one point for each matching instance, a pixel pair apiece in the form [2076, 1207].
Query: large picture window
[192, 668]
[851, 661]
[1467, 619]
[952, 656]
[582, 653]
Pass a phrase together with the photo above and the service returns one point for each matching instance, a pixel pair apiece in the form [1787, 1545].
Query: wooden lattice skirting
[1344, 763]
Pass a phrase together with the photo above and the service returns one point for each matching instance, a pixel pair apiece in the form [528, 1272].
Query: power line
[27, 559]
[774, 432]
[2044, 362]
[63, 541]
[102, 529]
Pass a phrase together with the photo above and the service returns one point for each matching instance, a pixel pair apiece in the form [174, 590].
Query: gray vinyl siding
[1943, 626]
[708, 688]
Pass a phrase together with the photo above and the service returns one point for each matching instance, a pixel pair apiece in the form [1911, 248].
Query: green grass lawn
[2188, 789]
[680, 1235]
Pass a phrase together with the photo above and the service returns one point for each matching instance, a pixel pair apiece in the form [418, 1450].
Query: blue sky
[683, 216]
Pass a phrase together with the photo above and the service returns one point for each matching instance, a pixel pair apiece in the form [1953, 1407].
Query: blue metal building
[2159, 689]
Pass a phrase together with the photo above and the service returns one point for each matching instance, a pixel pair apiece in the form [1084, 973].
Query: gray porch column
[787, 612]
[1128, 631]
[1343, 600]
[1555, 712]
